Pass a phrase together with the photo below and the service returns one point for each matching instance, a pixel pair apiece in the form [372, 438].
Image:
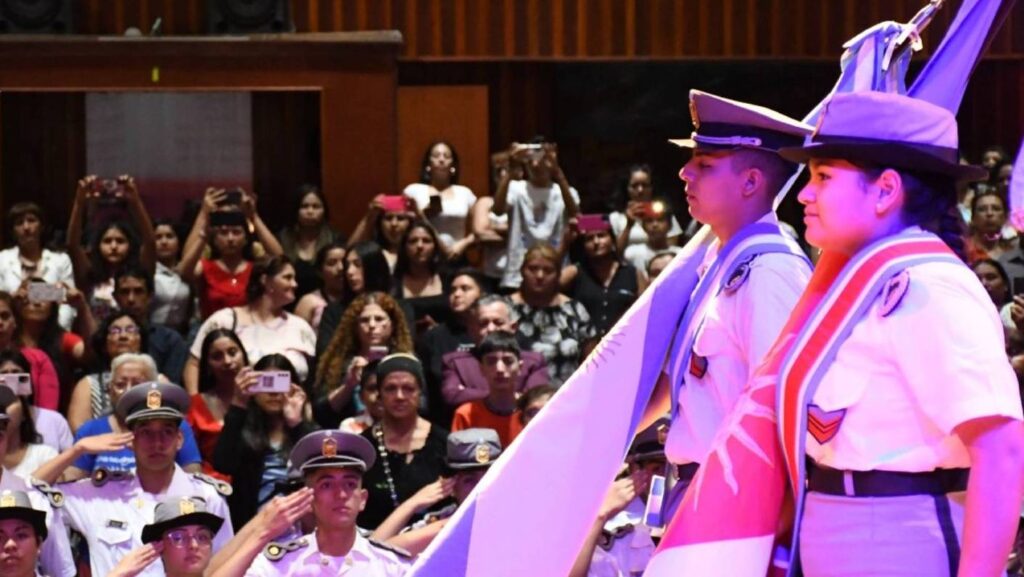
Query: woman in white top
[920, 391]
[626, 219]
[262, 324]
[25, 449]
[50, 426]
[172, 296]
[444, 201]
[28, 259]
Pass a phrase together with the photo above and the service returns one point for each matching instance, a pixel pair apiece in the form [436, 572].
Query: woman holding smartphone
[442, 199]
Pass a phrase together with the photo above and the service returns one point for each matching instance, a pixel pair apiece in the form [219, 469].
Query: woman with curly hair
[371, 327]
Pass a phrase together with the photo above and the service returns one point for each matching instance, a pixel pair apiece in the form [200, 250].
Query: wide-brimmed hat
[888, 130]
[175, 512]
[16, 505]
[724, 124]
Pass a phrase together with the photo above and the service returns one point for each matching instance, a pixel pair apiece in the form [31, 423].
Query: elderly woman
[554, 324]
[372, 326]
[410, 450]
[904, 404]
[263, 324]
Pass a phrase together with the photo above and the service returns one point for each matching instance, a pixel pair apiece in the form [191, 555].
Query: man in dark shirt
[133, 291]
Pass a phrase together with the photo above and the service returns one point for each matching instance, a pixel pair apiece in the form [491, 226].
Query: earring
[452, 170]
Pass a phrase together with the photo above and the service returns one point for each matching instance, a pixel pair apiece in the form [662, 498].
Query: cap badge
[483, 454]
[186, 507]
[8, 500]
[330, 447]
[153, 399]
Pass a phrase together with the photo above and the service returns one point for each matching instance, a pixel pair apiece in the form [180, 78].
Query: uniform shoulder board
[275, 551]
[103, 476]
[737, 276]
[54, 495]
[893, 292]
[608, 538]
[388, 547]
[222, 487]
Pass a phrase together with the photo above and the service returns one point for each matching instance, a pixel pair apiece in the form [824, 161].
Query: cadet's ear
[890, 192]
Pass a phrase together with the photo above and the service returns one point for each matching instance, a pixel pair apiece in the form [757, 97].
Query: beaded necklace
[378, 433]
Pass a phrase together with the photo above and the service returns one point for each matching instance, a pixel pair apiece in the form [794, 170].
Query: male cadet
[111, 509]
[751, 277]
[55, 552]
[332, 463]
[22, 531]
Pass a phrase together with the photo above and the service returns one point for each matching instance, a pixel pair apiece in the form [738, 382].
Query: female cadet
[920, 390]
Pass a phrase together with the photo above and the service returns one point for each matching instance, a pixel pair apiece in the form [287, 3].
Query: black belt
[884, 483]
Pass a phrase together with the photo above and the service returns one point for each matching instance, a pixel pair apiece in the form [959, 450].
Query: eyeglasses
[130, 330]
[181, 538]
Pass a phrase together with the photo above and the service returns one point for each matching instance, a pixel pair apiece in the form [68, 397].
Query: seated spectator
[22, 531]
[172, 295]
[133, 291]
[259, 431]
[385, 226]
[25, 448]
[308, 232]
[997, 284]
[657, 264]
[37, 328]
[373, 327]
[464, 379]
[45, 382]
[113, 244]
[127, 371]
[988, 217]
[262, 324]
[466, 287]
[655, 224]
[221, 357]
[639, 194]
[410, 449]
[532, 401]
[469, 455]
[554, 323]
[602, 282]
[222, 280]
[120, 333]
[444, 201]
[51, 426]
[538, 207]
[369, 396]
[330, 278]
[28, 258]
[418, 279]
[499, 361]
[181, 536]
[366, 271]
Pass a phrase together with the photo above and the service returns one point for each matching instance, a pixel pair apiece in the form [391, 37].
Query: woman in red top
[228, 226]
[223, 355]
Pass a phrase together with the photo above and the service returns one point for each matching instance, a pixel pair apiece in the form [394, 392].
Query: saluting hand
[137, 560]
[283, 512]
[96, 444]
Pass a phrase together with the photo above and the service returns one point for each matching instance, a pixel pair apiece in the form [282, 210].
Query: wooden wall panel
[574, 29]
[455, 114]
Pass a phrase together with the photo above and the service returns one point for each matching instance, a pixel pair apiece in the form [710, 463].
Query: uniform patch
[738, 277]
[275, 551]
[893, 292]
[608, 538]
[824, 425]
[698, 365]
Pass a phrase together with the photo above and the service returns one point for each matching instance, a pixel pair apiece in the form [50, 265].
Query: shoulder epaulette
[275, 551]
[389, 547]
[53, 495]
[608, 538]
[893, 292]
[222, 487]
[103, 476]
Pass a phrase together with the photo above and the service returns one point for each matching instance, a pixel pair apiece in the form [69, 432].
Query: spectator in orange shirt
[499, 356]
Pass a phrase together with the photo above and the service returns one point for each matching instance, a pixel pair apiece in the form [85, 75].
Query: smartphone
[1018, 285]
[41, 292]
[377, 353]
[435, 203]
[272, 382]
[20, 383]
[653, 514]
[592, 223]
[394, 203]
[227, 218]
[652, 209]
[232, 197]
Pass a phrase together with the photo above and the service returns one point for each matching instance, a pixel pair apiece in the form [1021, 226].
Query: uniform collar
[180, 484]
[360, 551]
[769, 218]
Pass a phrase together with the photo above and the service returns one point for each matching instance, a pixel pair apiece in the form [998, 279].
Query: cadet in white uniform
[921, 390]
[731, 182]
[111, 508]
[332, 463]
[16, 511]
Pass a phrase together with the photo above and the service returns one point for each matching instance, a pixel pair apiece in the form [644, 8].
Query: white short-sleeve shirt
[287, 334]
[363, 560]
[901, 383]
[455, 205]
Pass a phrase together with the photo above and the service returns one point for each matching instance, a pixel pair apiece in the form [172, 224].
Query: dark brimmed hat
[472, 449]
[332, 448]
[650, 443]
[152, 400]
[888, 130]
[400, 362]
[17, 505]
[175, 512]
[723, 124]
